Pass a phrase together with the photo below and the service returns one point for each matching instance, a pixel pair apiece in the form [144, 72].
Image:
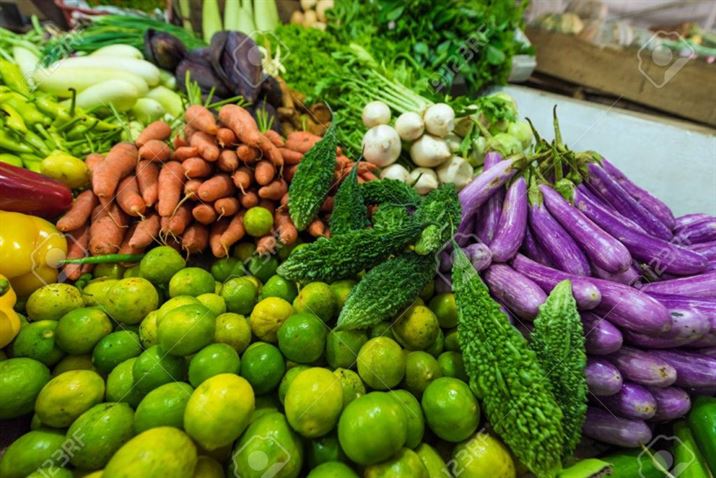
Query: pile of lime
[165, 370]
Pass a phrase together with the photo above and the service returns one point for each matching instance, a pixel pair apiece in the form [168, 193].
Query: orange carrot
[227, 206]
[266, 245]
[317, 228]
[119, 163]
[80, 212]
[76, 249]
[290, 156]
[287, 232]
[145, 232]
[195, 238]
[185, 152]
[178, 221]
[367, 175]
[284, 200]
[244, 126]
[155, 150]
[301, 141]
[267, 204]
[342, 162]
[196, 168]
[289, 172]
[107, 230]
[201, 119]
[243, 177]
[189, 130]
[274, 190]
[217, 187]
[171, 183]
[204, 213]
[125, 247]
[217, 229]
[327, 205]
[92, 160]
[249, 199]
[233, 233]
[206, 145]
[157, 130]
[228, 161]
[148, 181]
[275, 138]
[226, 137]
[128, 197]
[179, 141]
[247, 154]
[264, 172]
[191, 187]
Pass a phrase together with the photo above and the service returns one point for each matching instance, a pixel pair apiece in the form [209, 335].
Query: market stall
[282, 239]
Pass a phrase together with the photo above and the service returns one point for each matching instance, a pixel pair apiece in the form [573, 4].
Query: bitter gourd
[441, 209]
[389, 216]
[344, 255]
[386, 290]
[312, 180]
[506, 375]
[349, 211]
[390, 191]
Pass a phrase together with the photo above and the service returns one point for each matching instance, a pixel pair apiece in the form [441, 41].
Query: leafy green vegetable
[349, 211]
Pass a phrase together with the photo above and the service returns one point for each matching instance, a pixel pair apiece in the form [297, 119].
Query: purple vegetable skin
[627, 307]
[603, 378]
[644, 368]
[671, 403]
[601, 337]
[605, 427]
[517, 292]
[489, 217]
[688, 219]
[585, 292]
[628, 277]
[559, 246]
[602, 249]
[702, 285]
[708, 340]
[706, 249]
[667, 257]
[698, 233]
[513, 222]
[710, 351]
[482, 187]
[480, 255]
[693, 369]
[687, 326]
[632, 401]
[534, 251]
[612, 191]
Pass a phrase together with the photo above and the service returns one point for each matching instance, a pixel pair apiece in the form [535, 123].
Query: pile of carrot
[190, 190]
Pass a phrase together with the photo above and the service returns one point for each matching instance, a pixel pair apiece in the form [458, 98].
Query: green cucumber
[702, 422]
[688, 461]
[636, 464]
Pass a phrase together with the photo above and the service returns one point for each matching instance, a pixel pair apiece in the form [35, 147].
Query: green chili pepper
[29, 113]
[11, 144]
[106, 259]
[13, 77]
[54, 109]
[11, 159]
[14, 121]
[36, 142]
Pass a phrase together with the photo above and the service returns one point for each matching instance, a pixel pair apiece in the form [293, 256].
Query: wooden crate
[689, 93]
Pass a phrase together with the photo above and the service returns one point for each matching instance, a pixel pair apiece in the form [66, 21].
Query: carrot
[290, 156]
[188, 131]
[128, 197]
[171, 182]
[147, 180]
[76, 249]
[80, 212]
[317, 228]
[195, 238]
[270, 151]
[92, 160]
[367, 175]
[227, 206]
[183, 153]
[145, 232]
[107, 230]
[327, 205]
[196, 168]
[247, 154]
[342, 162]
[287, 232]
[178, 221]
[244, 126]
[267, 204]
[264, 172]
[266, 245]
[284, 200]
[191, 187]
[243, 177]
[201, 119]
[289, 172]
[228, 161]
[233, 233]
[217, 230]
[179, 141]
[119, 163]
[204, 213]
[275, 138]
[125, 247]
[249, 199]
[217, 187]
[155, 150]
[157, 130]
[206, 145]
[226, 137]
[274, 190]
[301, 141]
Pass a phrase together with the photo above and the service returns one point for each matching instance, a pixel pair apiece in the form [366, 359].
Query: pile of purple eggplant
[644, 281]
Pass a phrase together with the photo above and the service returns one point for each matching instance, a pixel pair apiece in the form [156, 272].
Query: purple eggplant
[704, 305]
[706, 249]
[521, 295]
[710, 351]
[603, 426]
[559, 246]
[480, 255]
[466, 237]
[482, 188]
[513, 222]
[603, 378]
[702, 285]
[665, 256]
[693, 369]
[628, 277]
[687, 326]
[533, 250]
[671, 403]
[698, 233]
[601, 248]
[632, 401]
[489, 214]
[707, 341]
[656, 206]
[627, 307]
[644, 368]
[585, 292]
[611, 191]
[689, 219]
[601, 337]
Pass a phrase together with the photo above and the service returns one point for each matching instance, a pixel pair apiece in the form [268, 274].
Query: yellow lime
[432, 461]
[73, 362]
[342, 347]
[351, 384]
[313, 402]
[414, 416]
[451, 341]
[332, 469]
[234, 330]
[79, 331]
[109, 270]
[186, 329]
[258, 221]
[405, 463]
[417, 328]
[148, 329]
[483, 456]
[287, 379]
[381, 363]
[341, 290]
[67, 396]
[52, 301]
[267, 316]
[160, 264]
[192, 281]
[207, 467]
[131, 299]
[317, 298]
[213, 302]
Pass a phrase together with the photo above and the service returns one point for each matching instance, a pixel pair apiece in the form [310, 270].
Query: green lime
[484, 455]
[317, 298]
[218, 287]
[451, 409]
[381, 363]
[314, 401]
[332, 469]
[268, 448]
[302, 337]
[67, 396]
[207, 467]
[444, 308]
[73, 362]
[284, 251]
[451, 365]
[268, 316]
[154, 368]
[192, 281]
[405, 463]
[277, 286]
[96, 290]
[438, 346]
[214, 302]
[131, 272]
[131, 299]
[262, 267]
[258, 221]
[52, 301]
[341, 290]
[382, 329]
[432, 461]
[148, 329]
[226, 268]
[353, 386]
[55, 472]
[342, 347]
[114, 349]
[421, 368]
[414, 416]
[372, 428]
[186, 329]
[163, 407]
[287, 379]
[102, 429]
[263, 366]
[234, 330]
[240, 295]
[160, 264]
[21, 379]
[31, 451]
[451, 341]
[324, 449]
[213, 360]
[111, 270]
[417, 328]
[79, 331]
[244, 250]
[265, 404]
[120, 384]
[37, 341]
[174, 303]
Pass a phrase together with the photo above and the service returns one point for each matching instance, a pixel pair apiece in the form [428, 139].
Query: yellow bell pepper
[9, 320]
[29, 250]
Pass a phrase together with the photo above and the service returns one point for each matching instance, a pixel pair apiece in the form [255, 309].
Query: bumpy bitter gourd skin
[390, 191]
[441, 209]
[349, 211]
[505, 374]
[558, 341]
[388, 216]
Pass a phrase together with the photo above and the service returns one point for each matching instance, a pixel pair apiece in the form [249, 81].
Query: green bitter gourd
[349, 211]
[389, 216]
[441, 210]
[390, 191]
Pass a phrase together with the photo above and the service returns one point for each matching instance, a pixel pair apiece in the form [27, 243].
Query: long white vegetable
[170, 101]
[26, 60]
[210, 19]
[119, 50]
[246, 23]
[59, 80]
[121, 94]
[185, 10]
[147, 110]
[266, 15]
[231, 15]
[145, 70]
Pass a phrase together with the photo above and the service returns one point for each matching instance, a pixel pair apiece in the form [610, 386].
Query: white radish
[453, 141]
[423, 180]
[375, 113]
[381, 145]
[309, 18]
[119, 50]
[439, 119]
[308, 4]
[409, 126]
[121, 94]
[429, 151]
[395, 171]
[456, 171]
[321, 8]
